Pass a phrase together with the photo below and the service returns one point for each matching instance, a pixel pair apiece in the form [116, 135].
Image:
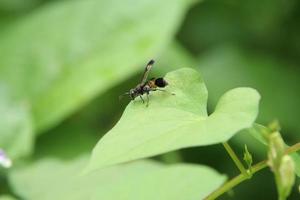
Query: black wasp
[145, 87]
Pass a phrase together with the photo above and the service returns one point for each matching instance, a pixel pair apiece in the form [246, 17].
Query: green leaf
[73, 50]
[248, 157]
[133, 181]
[16, 134]
[177, 121]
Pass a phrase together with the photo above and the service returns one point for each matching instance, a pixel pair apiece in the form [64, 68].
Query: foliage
[139, 180]
[176, 121]
[63, 65]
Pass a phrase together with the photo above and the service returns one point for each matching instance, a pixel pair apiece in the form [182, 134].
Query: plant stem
[235, 159]
[235, 181]
[293, 149]
[242, 177]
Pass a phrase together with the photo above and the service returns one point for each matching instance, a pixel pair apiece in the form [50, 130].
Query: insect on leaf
[174, 122]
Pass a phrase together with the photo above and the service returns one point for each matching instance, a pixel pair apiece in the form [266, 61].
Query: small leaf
[248, 158]
[145, 180]
[173, 122]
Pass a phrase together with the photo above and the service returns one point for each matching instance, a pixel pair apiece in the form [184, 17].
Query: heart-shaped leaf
[175, 121]
[145, 180]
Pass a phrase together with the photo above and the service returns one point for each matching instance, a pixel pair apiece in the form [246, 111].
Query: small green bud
[248, 158]
[287, 175]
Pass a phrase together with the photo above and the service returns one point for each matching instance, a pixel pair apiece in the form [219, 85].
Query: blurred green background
[64, 63]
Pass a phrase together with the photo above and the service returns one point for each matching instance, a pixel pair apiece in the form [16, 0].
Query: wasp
[147, 86]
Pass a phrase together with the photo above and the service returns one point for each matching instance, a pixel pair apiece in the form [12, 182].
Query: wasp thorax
[160, 82]
[146, 86]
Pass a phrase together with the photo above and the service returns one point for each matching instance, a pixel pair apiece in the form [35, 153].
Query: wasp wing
[146, 72]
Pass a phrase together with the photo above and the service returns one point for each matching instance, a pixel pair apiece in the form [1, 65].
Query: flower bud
[287, 175]
[276, 150]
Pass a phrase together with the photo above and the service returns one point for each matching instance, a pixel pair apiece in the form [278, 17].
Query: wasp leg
[122, 95]
[142, 99]
[155, 89]
[147, 95]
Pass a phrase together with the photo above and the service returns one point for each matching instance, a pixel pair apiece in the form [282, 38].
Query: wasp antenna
[151, 62]
[121, 96]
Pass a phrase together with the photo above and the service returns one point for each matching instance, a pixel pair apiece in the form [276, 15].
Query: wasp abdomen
[160, 82]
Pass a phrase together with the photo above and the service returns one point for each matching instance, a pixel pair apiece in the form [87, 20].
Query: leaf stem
[293, 149]
[242, 177]
[235, 159]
